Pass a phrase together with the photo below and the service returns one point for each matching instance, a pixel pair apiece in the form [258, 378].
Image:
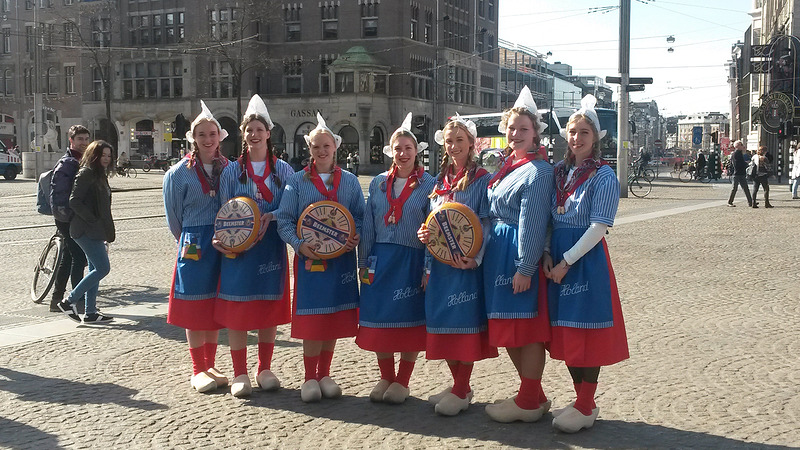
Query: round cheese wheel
[326, 226]
[455, 230]
[237, 224]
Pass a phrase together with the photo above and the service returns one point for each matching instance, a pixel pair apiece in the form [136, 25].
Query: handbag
[751, 171]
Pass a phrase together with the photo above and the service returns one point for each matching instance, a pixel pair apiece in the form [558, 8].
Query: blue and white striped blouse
[375, 230]
[595, 201]
[474, 196]
[301, 192]
[229, 185]
[185, 204]
[523, 198]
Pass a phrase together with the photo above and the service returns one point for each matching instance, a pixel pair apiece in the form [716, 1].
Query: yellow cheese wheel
[237, 224]
[455, 230]
[326, 226]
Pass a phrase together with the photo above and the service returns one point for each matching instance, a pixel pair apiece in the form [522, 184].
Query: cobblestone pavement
[711, 301]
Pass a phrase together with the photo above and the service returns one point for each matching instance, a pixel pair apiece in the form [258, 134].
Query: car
[10, 164]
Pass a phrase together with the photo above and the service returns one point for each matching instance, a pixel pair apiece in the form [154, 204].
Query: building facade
[129, 68]
[708, 123]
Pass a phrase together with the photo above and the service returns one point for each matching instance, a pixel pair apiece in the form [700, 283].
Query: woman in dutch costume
[191, 203]
[326, 291]
[588, 330]
[254, 285]
[515, 286]
[455, 312]
[392, 310]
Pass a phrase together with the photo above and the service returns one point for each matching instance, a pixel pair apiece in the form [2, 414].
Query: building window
[69, 79]
[293, 74]
[369, 18]
[52, 81]
[324, 78]
[6, 83]
[68, 2]
[461, 85]
[291, 17]
[29, 4]
[28, 81]
[490, 15]
[415, 23]
[344, 82]
[380, 83]
[6, 5]
[48, 30]
[428, 27]
[30, 39]
[6, 40]
[487, 100]
[330, 21]
[155, 79]
[481, 7]
[69, 34]
[221, 79]
[490, 48]
[223, 24]
[101, 32]
[421, 78]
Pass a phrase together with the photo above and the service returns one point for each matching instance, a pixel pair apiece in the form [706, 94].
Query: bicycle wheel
[640, 187]
[649, 174]
[146, 168]
[685, 176]
[131, 172]
[45, 270]
[705, 178]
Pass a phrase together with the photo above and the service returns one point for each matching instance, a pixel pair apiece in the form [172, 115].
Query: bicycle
[127, 171]
[46, 266]
[644, 172]
[639, 185]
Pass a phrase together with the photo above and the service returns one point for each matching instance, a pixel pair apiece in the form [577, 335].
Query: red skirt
[322, 327]
[459, 347]
[512, 333]
[580, 347]
[392, 340]
[190, 314]
[255, 314]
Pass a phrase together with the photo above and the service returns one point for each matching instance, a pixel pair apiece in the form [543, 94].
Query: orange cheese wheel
[455, 230]
[237, 224]
[326, 226]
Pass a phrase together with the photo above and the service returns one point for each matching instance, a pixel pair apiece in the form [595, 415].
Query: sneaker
[54, 304]
[70, 310]
[731, 205]
[97, 317]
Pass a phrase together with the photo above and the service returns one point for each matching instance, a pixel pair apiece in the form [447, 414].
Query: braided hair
[245, 155]
[395, 136]
[521, 111]
[216, 161]
[444, 167]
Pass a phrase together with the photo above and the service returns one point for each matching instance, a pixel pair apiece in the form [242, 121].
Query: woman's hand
[352, 242]
[425, 276]
[362, 273]
[217, 244]
[547, 264]
[559, 271]
[423, 234]
[265, 220]
[306, 251]
[464, 263]
[520, 283]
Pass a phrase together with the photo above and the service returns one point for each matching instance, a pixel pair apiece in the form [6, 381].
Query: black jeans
[737, 181]
[762, 180]
[73, 261]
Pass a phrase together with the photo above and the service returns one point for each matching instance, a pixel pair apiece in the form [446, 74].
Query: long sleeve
[288, 214]
[84, 183]
[591, 237]
[173, 205]
[534, 216]
[368, 234]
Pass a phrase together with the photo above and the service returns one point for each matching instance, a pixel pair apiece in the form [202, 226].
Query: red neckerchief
[208, 182]
[446, 189]
[563, 188]
[320, 185]
[395, 212]
[260, 181]
[509, 167]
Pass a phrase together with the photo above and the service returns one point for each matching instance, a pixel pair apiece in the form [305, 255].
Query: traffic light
[419, 126]
[180, 126]
[784, 130]
[714, 137]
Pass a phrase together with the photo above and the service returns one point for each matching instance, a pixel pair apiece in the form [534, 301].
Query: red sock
[453, 369]
[211, 354]
[577, 387]
[542, 397]
[198, 360]
[528, 395]
[239, 358]
[265, 350]
[585, 401]
[387, 368]
[310, 363]
[324, 367]
[404, 372]
[461, 385]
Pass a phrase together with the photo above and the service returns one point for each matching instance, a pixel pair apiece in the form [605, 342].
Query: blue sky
[691, 79]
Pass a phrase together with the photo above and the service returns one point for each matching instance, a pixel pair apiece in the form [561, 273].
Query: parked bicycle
[44, 273]
[155, 163]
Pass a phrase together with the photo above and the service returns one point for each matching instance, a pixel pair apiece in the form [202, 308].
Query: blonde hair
[246, 155]
[314, 133]
[569, 157]
[521, 111]
[471, 165]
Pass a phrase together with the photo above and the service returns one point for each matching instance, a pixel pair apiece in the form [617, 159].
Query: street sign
[697, 136]
[657, 143]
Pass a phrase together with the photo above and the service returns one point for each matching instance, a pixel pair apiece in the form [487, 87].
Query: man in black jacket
[739, 174]
[73, 260]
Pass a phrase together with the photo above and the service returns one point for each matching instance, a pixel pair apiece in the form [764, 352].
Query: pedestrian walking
[73, 261]
[588, 330]
[392, 309]
[739, 174]
[761, 176]
[795, 173]
[515, 286]
[92, 226]
[326, 292]
[356, 162]
[191, 203]
[457, 330]
[254, 285]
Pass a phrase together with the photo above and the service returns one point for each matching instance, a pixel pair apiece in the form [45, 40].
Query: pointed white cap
[259, 108]
[473, 130]
[321, 125]
[525, 100]
[205, 115]
[406, 126]
[587, 109]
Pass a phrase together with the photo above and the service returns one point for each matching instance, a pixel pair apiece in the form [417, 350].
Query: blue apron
[328, 291]
[197, 270]
[454, 300]
[499, 268]
[583, 299]
[394, 298]
[257, 274]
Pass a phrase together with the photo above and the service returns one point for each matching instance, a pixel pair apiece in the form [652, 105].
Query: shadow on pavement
[19, 435]
[34, 388]
[416, 416]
